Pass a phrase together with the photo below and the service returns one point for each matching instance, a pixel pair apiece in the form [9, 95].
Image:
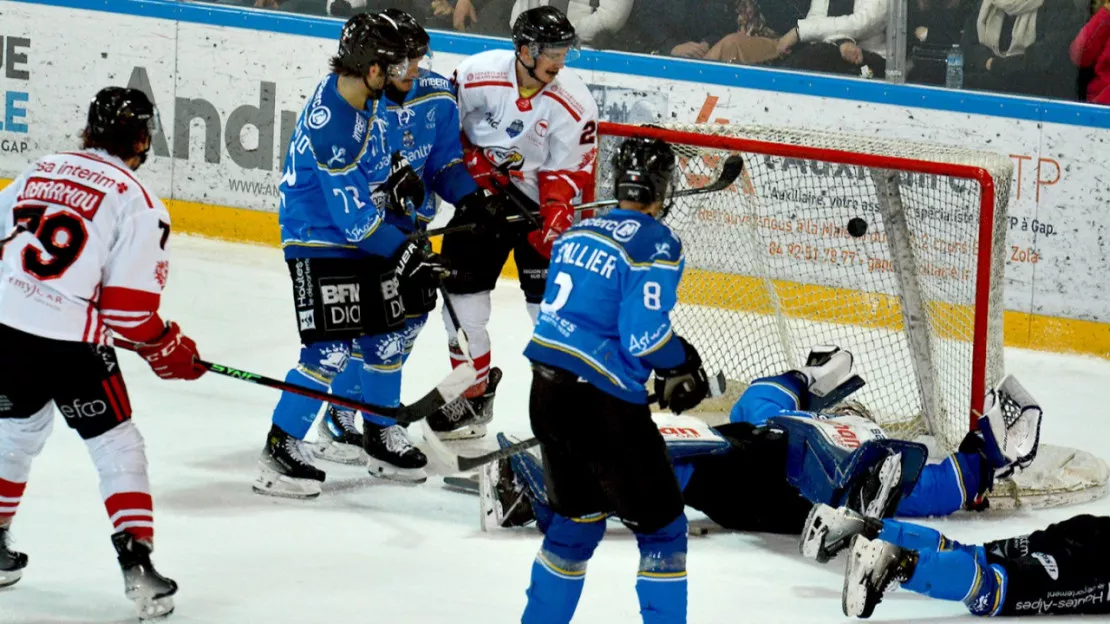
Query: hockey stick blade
[470, 463]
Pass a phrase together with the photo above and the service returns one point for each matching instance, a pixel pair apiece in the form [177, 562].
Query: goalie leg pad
[560, 569]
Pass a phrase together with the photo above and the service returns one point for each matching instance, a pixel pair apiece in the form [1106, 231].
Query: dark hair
[119, 120]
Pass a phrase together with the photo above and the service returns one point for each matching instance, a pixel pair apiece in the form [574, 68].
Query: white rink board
[250, 85]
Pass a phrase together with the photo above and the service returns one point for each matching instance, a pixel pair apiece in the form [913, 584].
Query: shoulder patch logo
[337, 155]
[625, 230]
[405, 115]
[661, 250]
[319, 117]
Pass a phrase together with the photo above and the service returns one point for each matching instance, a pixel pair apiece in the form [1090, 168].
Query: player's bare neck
[353, 91]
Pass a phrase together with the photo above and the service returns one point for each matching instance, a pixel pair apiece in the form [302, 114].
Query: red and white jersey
[84, 248]
[547, 140]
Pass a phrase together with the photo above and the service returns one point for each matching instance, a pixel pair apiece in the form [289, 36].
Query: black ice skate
[151, 592]
[873, 568]
[828, 531]
[466, 419]
[391, 455]
[504, 497]
[11, 562]
[285, 468]
[338, 438]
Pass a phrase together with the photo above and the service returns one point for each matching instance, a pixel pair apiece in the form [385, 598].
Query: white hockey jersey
[84, 248]
[548, 141]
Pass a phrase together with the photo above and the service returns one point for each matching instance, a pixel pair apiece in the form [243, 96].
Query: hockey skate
[338, 438]
[11, 562]
[873, 568]
[828, 530]
[466, 419]
[391, 455]
[151, 592]
[504, 497]
[285, 468]
[879, 494]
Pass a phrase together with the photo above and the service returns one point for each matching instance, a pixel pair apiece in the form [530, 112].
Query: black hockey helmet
[416, 38]
[370, 39]
[118, 119]
[542, 28]
[644, 171]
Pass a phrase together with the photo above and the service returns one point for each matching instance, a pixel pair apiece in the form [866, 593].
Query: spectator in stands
[760, 24]
[494, 18]
[1092, 49]
[685, 28]
[595, 21]
[1021, 46]
[932, 28]
[839, 36]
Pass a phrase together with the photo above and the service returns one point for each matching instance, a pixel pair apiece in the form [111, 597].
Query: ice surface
[368, 551]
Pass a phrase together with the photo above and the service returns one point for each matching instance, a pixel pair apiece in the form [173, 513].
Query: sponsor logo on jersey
[625, 230]
[684, 433]
[515, 128]
[492, 121]
[302, 284]
[360, 128]
[1049, 563]
[161, 272]
[405, 115]
[430, 118]
[501, 157]
[84, 409]
[435, 82]
[82, 199]
[306, 319]
[319, 117]
[417, 155]
[340, 298]
[541, 128]
[407, 140]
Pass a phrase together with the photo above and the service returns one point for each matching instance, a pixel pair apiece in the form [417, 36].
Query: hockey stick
[462, 463]
[446, 391]
[732, 168]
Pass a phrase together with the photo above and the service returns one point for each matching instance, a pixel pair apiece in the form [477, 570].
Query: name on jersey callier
[587, 257]
[219, 134]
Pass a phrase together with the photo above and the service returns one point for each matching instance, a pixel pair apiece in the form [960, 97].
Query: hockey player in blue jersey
[604, 326]
[778, 432]
[348, 261]
[423, 121]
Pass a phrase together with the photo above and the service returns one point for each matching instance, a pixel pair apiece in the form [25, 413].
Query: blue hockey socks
[319, 364]
[661, 581]
[961, 575]
[559, 569]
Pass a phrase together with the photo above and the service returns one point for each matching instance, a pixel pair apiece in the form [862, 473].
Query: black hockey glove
[683, 387]
[418, 266]
[485, 210]
[403, 191]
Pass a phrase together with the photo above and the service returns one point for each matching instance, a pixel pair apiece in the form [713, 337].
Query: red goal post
[888, 163]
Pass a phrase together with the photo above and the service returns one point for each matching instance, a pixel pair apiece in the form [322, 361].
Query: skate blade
[812, 545]
[273, 483]
[466, 432]
[389, 472]
[855, 600]
[10, 577]
[153, 608]
[338, 452]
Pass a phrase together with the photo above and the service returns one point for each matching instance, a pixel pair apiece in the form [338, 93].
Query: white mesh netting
[773, 269]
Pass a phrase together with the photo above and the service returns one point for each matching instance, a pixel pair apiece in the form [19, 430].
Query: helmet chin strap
[531, 70]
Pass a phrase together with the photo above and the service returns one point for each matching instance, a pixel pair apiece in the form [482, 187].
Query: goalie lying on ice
[780, 432]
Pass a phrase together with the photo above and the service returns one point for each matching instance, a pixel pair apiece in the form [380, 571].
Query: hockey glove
[683, 387]
[557, 216]
[403, 191]
[484, 209]
[173, 355]
[418, 266]
[482, 170]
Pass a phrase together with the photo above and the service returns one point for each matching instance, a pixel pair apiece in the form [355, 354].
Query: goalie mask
[644, 172]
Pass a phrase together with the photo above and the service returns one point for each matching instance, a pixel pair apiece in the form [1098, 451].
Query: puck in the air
[857, 227]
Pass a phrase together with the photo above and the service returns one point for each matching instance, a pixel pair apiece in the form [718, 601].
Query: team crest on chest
[408, 140]
[515, 128]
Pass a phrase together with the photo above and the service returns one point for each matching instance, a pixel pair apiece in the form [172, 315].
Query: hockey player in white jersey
[84, 257]
[530, 132]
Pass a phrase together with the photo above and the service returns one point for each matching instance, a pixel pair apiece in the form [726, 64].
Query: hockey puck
[857, 227]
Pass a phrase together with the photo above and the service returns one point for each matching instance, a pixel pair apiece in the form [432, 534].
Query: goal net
[891, 249]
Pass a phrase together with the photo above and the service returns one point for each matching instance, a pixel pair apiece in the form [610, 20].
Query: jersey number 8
[652, 294]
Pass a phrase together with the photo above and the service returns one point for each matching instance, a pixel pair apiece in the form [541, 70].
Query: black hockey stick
[462, 463]
[446, 391]
[732, 168]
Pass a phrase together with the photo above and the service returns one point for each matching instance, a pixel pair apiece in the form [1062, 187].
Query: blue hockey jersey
[941, 489]
[425, 129]
[612, 283]
[337, 157]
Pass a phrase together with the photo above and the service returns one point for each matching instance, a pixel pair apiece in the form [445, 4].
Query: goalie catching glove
[683, 387]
